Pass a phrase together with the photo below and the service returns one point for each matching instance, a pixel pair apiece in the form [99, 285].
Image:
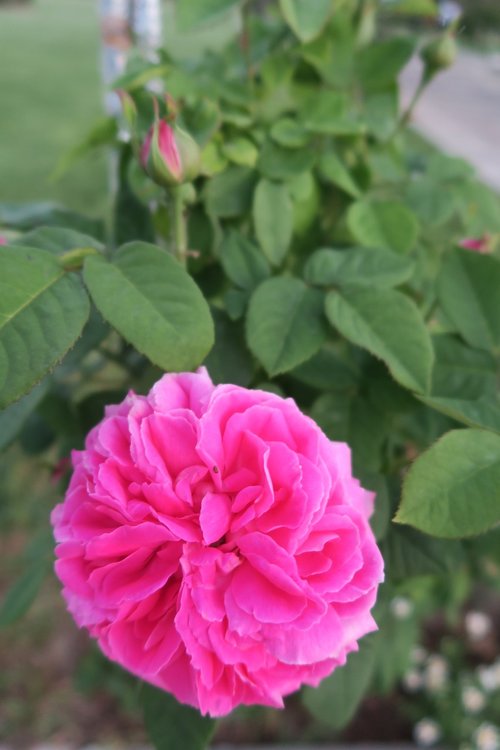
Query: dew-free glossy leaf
[333, 170]
[153, 303]
[42, 312]
[359, 266]
[469, 292]
[193, 13]
[337, 698]
[306, 18]
[273, 219]
[242, 261]
[57, 240]
[453, 489]
[14, 416]
[385, 224]
[285, 323]
[389, 325]
[379, 63]
[172, 725]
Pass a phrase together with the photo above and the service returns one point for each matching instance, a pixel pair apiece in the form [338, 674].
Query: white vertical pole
[123, 23]
[147, 27]
[116, 42]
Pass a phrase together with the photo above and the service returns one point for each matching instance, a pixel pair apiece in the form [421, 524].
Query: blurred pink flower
[477, 244]
[168, 152]
[3, 239]
[215, 543]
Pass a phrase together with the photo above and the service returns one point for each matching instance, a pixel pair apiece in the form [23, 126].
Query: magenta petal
[216, 544]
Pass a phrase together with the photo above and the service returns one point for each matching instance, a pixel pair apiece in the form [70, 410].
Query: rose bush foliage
[322, 253]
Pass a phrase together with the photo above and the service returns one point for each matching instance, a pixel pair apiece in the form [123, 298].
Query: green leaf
[349, 417]
[380, 63]
[383, 224]
[433, 203]
[335, 701]
[229, 193]
[241, 151]
[26, 216]
[483, 412]
[172, 725]
[409, 553]
[236, 302]
[461, 372]
[412, 7]
[279, 163]
[57, 240]
[464, 384]
[13, 418]
[305, 196]
[132, 219]
[102, 133]
[273, 219]
[289, 133]
[326, 112]
[229, 360]
[453, 489]
[389, 325]
[328, 371]
[192, 13]
[285, 323]
[22, 593]
[333, 170]
[360, 266]
[242, 261]
[42, 313]
[381, 517]
[138, 73]
[153, 303]
[477, 208]
[306, 18]
[468, 291]
[202, 119]
[381, 112]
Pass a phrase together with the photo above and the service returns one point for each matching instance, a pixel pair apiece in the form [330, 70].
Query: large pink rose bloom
[215, 543]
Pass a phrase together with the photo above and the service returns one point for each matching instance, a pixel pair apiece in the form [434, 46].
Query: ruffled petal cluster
[215, 543]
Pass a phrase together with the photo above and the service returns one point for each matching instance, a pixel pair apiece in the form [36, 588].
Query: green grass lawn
[51, 94]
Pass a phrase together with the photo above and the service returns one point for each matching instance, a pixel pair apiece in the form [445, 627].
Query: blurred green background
[52, 94]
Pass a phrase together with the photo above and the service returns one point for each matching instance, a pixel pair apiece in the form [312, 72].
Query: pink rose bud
[216, 544]
[476, 244]
[169, 155]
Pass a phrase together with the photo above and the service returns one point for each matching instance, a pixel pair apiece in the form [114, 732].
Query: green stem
[73, 260]
[405, 117]
[180, 226]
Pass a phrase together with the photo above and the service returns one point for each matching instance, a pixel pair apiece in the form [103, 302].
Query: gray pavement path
[460, 111]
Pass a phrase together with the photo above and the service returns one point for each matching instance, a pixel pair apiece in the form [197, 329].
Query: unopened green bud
[169, 155]
[439, 54]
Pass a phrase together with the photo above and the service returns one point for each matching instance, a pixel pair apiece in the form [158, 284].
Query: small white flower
[426, 732]
[436, 673]
[477, 625]
[418, 654]
[473, 699]
[401, 607]
[487, 737]
[488, 677]
[413, 681]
